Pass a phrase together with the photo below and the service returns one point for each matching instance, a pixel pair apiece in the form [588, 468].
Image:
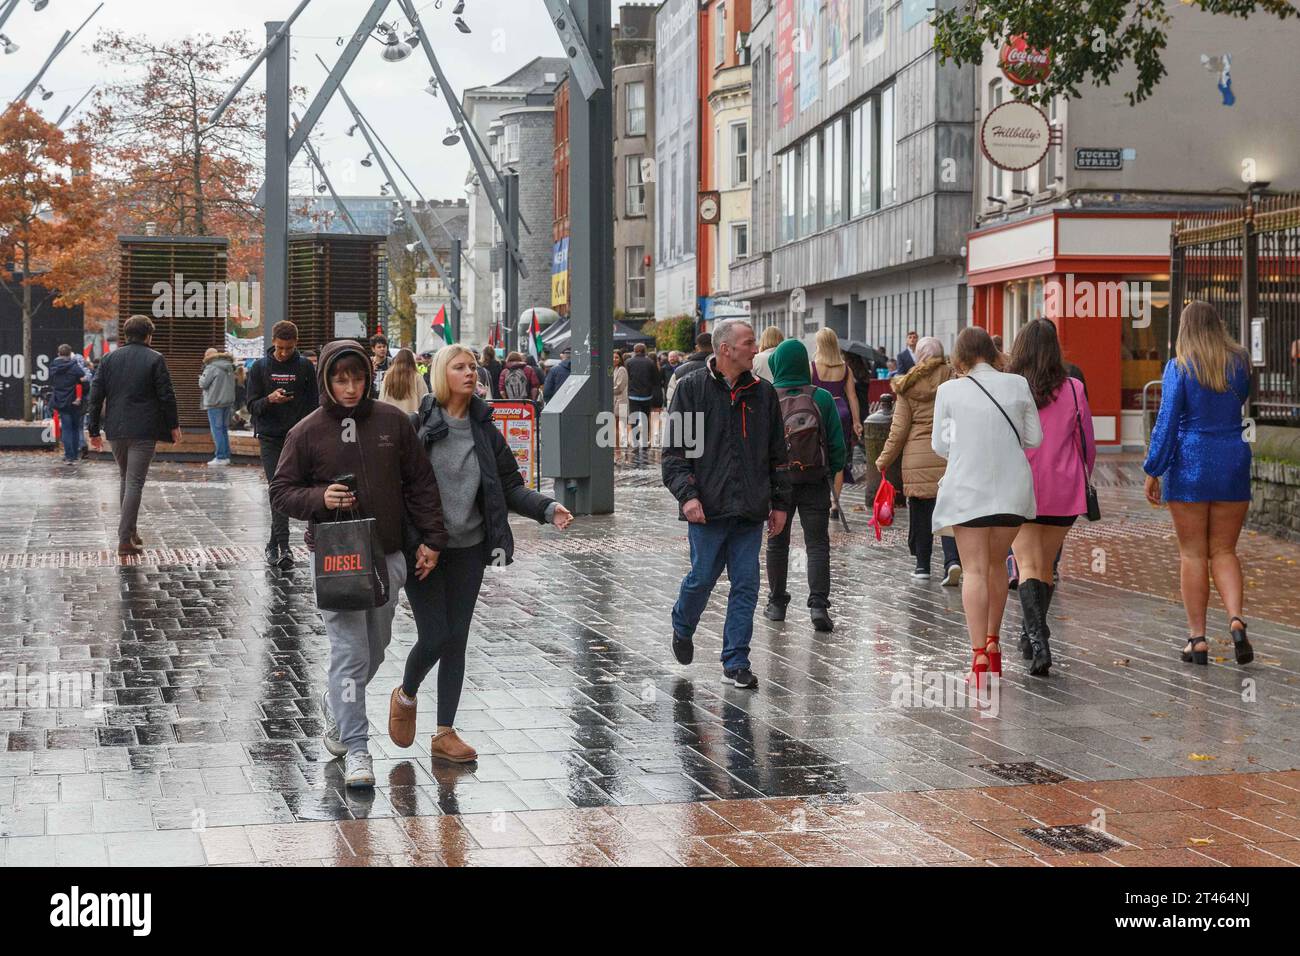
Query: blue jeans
[219, 424]
[733, 543]
[70, 432]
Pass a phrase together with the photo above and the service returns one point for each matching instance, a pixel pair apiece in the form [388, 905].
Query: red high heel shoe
[995, 657]
[976, 668]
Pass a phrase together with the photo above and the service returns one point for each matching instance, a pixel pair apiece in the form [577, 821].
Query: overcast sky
[506, 34]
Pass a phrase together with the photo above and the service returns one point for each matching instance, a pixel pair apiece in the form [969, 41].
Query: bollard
[875, 430]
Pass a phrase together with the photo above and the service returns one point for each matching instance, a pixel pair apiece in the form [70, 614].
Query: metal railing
[1146, 420]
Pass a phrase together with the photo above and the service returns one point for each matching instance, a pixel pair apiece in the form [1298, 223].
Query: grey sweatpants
[133, 456]
[358, 641]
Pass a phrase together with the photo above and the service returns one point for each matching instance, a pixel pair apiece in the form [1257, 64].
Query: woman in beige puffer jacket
[909, 433]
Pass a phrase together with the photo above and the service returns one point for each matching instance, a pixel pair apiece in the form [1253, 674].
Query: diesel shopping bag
[351, 574]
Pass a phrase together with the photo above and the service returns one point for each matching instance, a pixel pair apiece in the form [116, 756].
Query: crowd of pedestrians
[997, 454]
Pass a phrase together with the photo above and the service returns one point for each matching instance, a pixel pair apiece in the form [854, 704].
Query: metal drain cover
[1074, 838]
[1022, 773]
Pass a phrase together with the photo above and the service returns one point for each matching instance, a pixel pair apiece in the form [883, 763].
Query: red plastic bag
[882, 510]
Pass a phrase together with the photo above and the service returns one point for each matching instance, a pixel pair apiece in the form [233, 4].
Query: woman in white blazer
[983, 422]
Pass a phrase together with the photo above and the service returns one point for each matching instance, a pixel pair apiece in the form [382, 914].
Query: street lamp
[394, 50]
[45, 94]
[459, 8]
[452, 137]
[432, 88]
[352, 130]
[40, 4]
[366, 160]
[10, 45]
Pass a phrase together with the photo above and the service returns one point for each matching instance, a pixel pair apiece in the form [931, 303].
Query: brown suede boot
[448, 745]
[401, 719]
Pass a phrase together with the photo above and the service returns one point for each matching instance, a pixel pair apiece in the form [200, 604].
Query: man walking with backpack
[518, 380]
[816, 452]
[726, 470]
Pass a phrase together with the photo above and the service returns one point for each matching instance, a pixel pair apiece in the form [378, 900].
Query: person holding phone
[281, 392]
[479, 485]
[360, 456]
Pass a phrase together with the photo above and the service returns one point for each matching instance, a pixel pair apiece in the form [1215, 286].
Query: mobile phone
[349, 479]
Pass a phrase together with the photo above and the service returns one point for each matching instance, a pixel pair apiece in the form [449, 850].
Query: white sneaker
[359, 770]
[952, 577]
[331, 736]
[218, 462]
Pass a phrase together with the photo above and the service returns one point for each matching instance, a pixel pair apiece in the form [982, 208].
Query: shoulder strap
[1000, 408]
[1078, 424]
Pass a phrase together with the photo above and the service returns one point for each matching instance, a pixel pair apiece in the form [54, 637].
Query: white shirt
[987, 472]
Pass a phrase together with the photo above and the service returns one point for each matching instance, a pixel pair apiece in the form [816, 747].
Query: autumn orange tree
[164, 163]
[49, 210]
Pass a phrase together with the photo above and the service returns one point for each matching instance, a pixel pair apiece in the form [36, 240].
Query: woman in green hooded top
[814, 460]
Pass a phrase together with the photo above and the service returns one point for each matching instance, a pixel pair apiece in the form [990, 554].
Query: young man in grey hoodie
[218, 385]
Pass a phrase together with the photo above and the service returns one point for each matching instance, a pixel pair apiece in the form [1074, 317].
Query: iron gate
[1246, 263]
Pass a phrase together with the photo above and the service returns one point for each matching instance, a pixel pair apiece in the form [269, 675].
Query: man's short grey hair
[724, 332]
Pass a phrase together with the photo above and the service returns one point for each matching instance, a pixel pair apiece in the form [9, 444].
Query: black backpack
[805, 438]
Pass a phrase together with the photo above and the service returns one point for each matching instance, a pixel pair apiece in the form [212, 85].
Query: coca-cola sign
[1015, 136]
[1022, 64]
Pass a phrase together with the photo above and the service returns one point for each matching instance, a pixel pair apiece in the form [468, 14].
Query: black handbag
[351, 571]
[1089, 492]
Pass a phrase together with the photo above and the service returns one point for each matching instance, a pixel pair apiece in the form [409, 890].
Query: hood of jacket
[221, 356]
[923, 380]
[63, 361]
[789, 364]
[331, 353]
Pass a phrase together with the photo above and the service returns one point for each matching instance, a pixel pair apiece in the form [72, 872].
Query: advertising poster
[560, 272]
[785, 60]
[837, 42]
[243, 331]
[873, 30]
[518, 423]
[810, 31]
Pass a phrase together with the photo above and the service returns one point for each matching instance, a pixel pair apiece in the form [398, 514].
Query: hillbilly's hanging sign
[1022, 64]
[1015, 136]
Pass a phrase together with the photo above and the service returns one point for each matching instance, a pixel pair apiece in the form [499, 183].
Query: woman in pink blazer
[1062, 468]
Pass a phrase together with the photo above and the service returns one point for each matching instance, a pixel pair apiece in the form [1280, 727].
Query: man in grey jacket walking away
[132, 393]
[218, 385]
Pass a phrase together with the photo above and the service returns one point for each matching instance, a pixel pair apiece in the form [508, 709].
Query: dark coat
[905, 362]
[132, 393]
[66, 373]
[501, 488]
[737, 472]
[297, 376]
[555, 378]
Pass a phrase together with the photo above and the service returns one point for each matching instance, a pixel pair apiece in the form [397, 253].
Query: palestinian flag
[440, 326]
[535, 338]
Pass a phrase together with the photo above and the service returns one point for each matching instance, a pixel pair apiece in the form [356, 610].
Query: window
[808, 167]
[635, 187]
[888, 149]
[661, 249]
[997, 177]
[739, 154]
[721, 53]
[788, 173]
[862, 133]
[634, 100]
[635, 277]
[833, 173]
[739, 241]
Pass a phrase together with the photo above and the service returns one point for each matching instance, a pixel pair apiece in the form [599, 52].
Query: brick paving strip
[595, 747]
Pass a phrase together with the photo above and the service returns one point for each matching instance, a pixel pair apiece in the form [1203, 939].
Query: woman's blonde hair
[828, 354]
[1204, 348]
[772, 337]
[399, 380]
[438, 373]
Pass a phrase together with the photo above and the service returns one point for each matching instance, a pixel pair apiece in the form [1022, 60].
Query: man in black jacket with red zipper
[724, 447]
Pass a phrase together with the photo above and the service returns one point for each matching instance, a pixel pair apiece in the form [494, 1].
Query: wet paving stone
[206, 668]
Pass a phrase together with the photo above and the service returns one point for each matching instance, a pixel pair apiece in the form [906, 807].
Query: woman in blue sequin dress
[1198, 449]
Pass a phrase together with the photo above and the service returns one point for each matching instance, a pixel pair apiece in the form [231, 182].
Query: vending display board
[518, 423]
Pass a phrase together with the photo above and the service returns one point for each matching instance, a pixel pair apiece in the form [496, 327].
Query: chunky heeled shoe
[995, 657]
[1241, 643]
[1192, 656]
[1025, 644]
[1033, 604]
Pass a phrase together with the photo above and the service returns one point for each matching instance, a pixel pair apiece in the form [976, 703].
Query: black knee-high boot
[1033, 602]
[1026, 647]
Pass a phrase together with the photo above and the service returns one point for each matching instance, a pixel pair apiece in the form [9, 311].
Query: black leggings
[443, 606]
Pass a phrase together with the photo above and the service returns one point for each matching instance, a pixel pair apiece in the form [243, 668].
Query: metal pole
[7, 11]
[467, 126]
[275, 246]
[272, 41]
[1250, 292]
[58, 48]
[455, 289]
[591, 247]
[69, 110]
[509, 272]
[320, 168]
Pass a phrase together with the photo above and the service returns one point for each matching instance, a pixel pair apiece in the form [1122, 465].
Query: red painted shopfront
[1103, 278]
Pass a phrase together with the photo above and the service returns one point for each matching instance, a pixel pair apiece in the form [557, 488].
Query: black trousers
[812, 501]
[443, 607]
[920, 539]
[270, 449]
